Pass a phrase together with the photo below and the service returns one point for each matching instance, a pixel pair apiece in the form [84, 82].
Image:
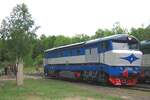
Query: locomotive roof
[70, 45]
[113, 37]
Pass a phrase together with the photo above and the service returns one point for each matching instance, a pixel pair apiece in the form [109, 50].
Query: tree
[141, 33]
[117, 29]
[80, 38]
[61, 40]
[5, 56]
[102, 33]
[17, 32]
[147, 33]
[99, 33]
[47, 42]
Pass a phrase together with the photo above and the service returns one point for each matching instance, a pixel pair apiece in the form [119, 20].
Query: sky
[70, 17]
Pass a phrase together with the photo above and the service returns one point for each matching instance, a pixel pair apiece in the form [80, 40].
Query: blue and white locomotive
[115, 59]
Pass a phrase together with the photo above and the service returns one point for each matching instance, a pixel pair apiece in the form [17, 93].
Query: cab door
[104, 46]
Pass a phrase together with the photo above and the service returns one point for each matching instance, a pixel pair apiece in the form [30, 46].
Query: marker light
[129, 38]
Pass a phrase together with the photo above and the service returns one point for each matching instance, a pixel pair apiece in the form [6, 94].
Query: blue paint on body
[111, 70]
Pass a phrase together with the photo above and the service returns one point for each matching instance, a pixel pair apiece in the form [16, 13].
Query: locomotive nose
[131, 57]
[124, 58]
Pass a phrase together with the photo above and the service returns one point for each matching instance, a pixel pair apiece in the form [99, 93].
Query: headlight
[129, 38]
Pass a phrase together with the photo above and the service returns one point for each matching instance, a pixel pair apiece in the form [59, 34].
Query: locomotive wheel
[85, 75]
[81, 76]
[102, 77]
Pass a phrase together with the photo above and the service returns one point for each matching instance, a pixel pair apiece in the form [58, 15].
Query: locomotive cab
[126, 58]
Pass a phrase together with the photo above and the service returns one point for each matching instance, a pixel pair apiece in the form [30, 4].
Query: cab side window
[104, 45]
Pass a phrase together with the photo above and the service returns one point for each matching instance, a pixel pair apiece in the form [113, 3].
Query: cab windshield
[125, 46]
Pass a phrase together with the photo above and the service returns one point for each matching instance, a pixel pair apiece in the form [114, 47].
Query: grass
[29, 69]
[47, 89]
[32, 69]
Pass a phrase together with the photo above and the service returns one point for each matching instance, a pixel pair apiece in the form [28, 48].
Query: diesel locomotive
[114, 59]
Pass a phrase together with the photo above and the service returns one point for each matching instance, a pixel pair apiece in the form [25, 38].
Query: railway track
[143, 86]
[140, 87]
